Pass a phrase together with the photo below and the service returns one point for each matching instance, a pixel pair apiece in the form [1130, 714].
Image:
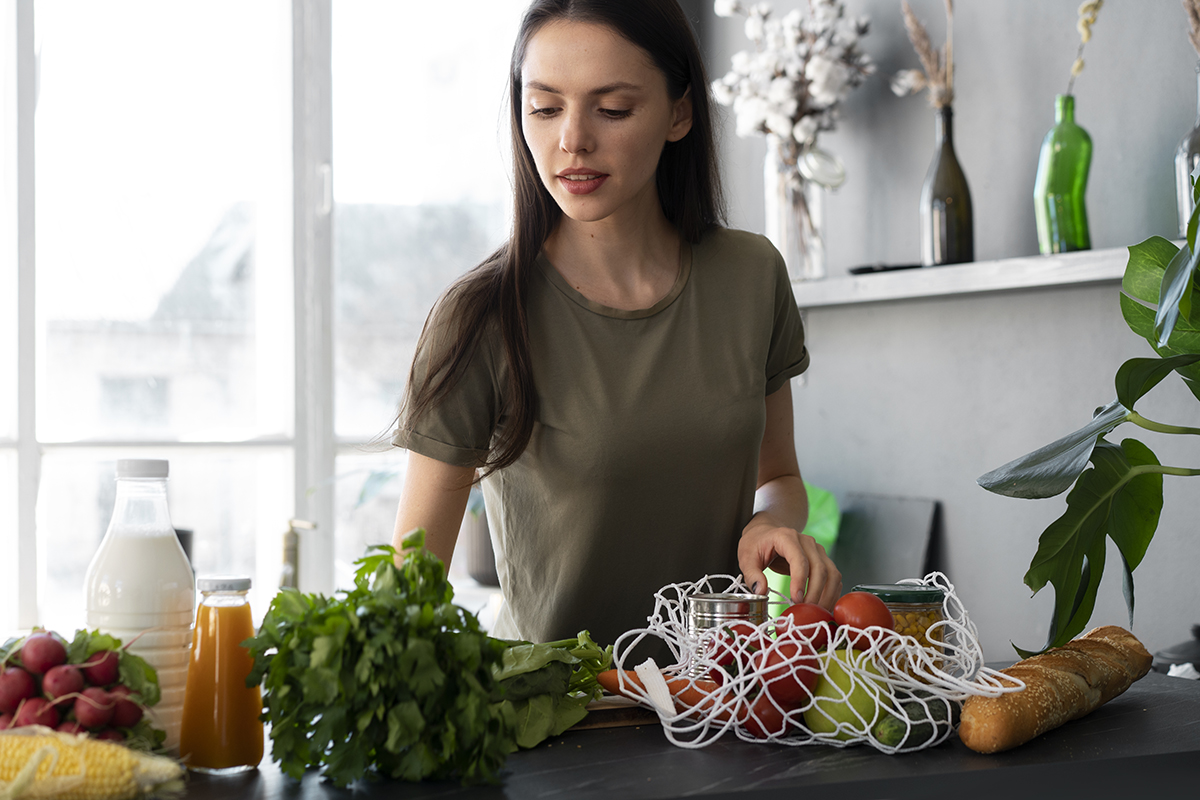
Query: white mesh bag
[800, 685]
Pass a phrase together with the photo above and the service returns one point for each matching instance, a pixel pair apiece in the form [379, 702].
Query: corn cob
[37, 762]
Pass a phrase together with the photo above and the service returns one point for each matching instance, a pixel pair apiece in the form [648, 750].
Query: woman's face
[596, 115]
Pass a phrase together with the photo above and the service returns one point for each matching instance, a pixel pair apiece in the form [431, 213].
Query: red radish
[110, 734]
[6, 721]
[42, 651]
[94, 708]
[15, 685]
[100, 669]
[62, 680]
[126, 712]
[36, 711]
[70, 726]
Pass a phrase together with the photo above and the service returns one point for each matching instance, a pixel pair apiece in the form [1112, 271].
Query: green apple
[845, 697]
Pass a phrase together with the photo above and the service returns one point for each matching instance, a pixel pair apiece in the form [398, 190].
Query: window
[421, 195]
[181, 175]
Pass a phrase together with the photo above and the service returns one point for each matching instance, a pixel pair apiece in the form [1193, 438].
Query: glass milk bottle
[221, 730]
[140, 588]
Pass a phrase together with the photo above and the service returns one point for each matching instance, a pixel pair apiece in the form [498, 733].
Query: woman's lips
[581, 182]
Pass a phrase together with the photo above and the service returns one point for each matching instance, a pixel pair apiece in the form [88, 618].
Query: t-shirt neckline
[555, 277]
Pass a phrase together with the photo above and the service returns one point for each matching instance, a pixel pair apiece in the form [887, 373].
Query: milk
[140, 588]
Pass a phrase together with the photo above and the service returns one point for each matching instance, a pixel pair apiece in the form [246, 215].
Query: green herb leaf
[1052, 469]
[389, 677]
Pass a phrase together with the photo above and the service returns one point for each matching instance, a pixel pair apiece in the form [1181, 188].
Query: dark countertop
[1145, 743]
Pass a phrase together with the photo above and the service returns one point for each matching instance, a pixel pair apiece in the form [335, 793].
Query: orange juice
[221, 731]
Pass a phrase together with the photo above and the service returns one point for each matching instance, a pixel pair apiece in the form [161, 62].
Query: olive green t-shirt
[643, 462]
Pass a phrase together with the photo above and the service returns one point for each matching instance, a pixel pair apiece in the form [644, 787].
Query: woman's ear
[681, 117]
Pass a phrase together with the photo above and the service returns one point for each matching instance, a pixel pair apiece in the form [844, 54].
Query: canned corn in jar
[914, 608]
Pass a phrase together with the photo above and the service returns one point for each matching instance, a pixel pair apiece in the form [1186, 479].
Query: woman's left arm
[773, 538]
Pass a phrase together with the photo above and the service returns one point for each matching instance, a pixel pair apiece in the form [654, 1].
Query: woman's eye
[542, 112]
[616, 113]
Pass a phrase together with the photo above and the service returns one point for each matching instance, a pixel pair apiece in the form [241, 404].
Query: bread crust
[1062, 684]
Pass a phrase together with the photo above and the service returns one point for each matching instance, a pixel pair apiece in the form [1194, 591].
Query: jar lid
[223, 583]
[141, 468]
[903, 592]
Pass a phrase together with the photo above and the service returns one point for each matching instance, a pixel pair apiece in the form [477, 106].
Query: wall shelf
[1030, 272]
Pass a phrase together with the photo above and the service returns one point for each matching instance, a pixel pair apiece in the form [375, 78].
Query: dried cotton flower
[726, 8]
[1192, 9]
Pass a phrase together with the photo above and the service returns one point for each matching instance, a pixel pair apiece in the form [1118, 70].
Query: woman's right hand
[434, 497]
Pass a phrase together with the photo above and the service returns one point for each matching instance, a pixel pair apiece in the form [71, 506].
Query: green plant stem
[1142, 470]
[1160, 427]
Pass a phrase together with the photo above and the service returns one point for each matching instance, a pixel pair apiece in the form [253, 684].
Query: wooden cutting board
[615, 712]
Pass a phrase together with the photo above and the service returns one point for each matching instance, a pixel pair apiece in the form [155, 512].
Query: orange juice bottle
[221, 731]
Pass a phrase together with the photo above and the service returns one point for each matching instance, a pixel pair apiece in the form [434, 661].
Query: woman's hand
[766, 543]
[772, 538]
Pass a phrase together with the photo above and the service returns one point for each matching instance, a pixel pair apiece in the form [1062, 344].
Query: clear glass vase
[795, 213]
[1061, 183]
[1187, 156]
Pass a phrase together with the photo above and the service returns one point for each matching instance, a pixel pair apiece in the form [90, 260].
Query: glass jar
[221, 730]
[914, 609]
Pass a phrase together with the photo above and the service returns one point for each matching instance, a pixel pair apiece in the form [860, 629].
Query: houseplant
[1120, 495]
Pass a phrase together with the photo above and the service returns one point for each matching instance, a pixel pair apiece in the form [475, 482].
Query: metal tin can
[715, 610]
[709, 613]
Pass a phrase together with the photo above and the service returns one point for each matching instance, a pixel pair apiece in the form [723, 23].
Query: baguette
[1060, 685]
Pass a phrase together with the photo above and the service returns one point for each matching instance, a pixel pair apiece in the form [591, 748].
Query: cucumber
[924, 718]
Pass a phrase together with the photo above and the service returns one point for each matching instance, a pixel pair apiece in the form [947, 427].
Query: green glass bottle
[947, 224]
[1062, 173]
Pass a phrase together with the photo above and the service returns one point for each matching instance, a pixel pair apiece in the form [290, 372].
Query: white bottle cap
[223, 583]
[141, 468]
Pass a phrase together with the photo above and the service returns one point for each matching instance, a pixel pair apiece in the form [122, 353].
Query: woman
[618, 371]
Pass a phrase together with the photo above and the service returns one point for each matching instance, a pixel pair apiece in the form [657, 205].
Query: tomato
[789, 671]
[862, 610]
[732, 649]
[766, 719]
[807, 614]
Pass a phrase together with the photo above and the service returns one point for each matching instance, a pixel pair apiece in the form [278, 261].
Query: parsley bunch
[391, 677]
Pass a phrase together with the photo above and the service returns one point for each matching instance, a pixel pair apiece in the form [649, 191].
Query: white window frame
[313, 444]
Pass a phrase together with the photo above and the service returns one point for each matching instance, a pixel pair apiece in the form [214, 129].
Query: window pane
[366, 496]
[8, 226]
[163, 213]
[8, 541]
[236, 503]
[420, 153]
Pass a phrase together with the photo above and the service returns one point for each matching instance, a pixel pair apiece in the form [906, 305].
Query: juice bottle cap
[223, 583]
[141, 468]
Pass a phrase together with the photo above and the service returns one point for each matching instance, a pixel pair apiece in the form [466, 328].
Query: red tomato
[861, 610]
[807, 614]
[783, 671]
[765, 718]
[732, 649]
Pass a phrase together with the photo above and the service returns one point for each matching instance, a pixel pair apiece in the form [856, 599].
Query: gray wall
[918, 398]
[1136, 97]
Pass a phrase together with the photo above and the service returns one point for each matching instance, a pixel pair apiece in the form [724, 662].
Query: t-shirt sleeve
[458, 429]
[788, 355]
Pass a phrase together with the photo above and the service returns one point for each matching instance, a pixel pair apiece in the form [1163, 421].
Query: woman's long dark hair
[491, 297]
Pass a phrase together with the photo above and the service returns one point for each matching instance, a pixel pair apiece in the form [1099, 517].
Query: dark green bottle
[947, 225]
[1062, 173]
